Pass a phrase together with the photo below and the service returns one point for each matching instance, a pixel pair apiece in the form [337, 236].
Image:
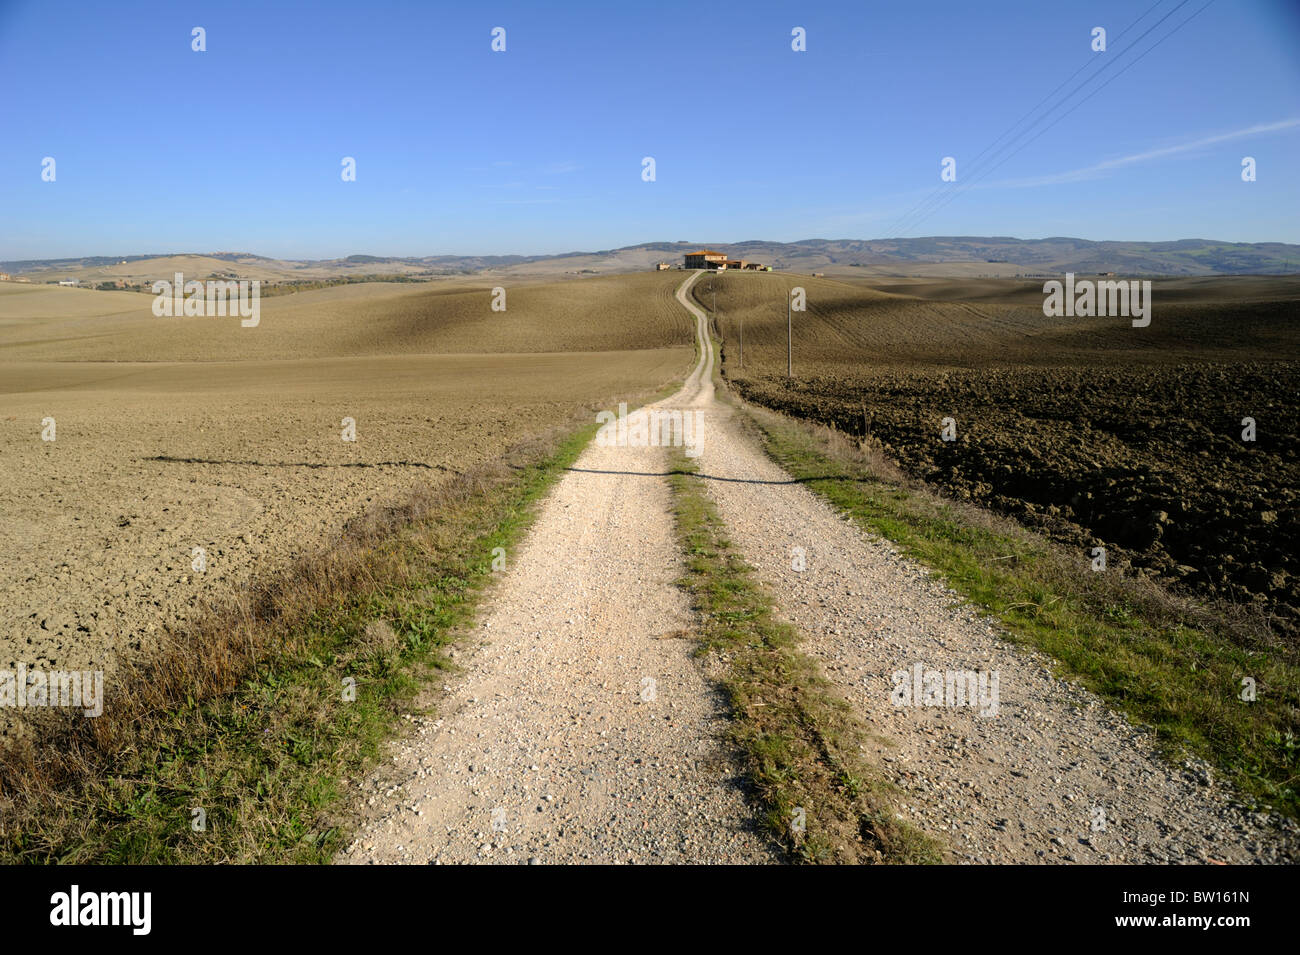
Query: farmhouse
[705, 259]
[708, 259]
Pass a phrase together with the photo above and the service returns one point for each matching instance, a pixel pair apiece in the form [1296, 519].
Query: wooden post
[789, 337]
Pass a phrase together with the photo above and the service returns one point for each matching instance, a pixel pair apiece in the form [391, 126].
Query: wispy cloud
[560, 168]
[1098, 169]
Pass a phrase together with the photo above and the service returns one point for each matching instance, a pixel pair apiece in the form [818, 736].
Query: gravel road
[554, 746]
[581, 729]
[1051, 775]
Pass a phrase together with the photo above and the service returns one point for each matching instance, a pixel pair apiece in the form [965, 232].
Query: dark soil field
[1089, 430]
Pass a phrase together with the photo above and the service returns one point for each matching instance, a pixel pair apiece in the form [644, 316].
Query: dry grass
[242, 714]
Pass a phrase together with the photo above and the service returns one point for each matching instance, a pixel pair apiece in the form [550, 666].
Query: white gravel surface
[582, 729]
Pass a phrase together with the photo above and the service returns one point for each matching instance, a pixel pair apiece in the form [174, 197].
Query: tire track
[581, 729]
[1055, 775]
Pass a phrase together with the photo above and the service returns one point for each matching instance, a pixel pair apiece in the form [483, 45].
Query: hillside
[936, 256]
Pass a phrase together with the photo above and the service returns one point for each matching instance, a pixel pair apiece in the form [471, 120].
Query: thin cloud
[1091, 172]
[560, 168]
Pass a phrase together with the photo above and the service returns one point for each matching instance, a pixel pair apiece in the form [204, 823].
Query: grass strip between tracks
[799, 743]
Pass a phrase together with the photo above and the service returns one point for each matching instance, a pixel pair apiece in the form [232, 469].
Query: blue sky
[539, 149]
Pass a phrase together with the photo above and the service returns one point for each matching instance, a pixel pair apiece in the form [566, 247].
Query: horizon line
[637, 245]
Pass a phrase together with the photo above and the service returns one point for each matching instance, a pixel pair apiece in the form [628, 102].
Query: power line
[1091, 61]
[940, 197]
[935, 199]
[955, 193]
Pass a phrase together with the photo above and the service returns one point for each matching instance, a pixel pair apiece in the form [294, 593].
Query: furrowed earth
[1091, 430]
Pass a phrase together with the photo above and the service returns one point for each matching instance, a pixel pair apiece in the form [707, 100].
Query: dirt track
[546, 723]
[582, 729]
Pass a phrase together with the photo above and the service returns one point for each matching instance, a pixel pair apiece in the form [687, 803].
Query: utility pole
[789, 336]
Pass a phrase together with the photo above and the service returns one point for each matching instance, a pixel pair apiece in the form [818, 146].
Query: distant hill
[1183, 257]
[934, 255]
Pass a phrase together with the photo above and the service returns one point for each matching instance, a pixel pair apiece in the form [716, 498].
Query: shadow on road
[714, 477]
[167, 459]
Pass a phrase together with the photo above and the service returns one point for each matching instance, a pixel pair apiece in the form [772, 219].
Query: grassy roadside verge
[233, 744]
[1169, 663]
[800, 744]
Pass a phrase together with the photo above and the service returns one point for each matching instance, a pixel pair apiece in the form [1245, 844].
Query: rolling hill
[935, 256]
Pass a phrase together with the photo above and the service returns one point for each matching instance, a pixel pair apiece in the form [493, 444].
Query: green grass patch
[800, 744]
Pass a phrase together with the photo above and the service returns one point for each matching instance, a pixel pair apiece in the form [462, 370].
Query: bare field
[601, 314]
[1197, 290]
[173, 434]
[851, 325]
[140, 271]
[1087, 428]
